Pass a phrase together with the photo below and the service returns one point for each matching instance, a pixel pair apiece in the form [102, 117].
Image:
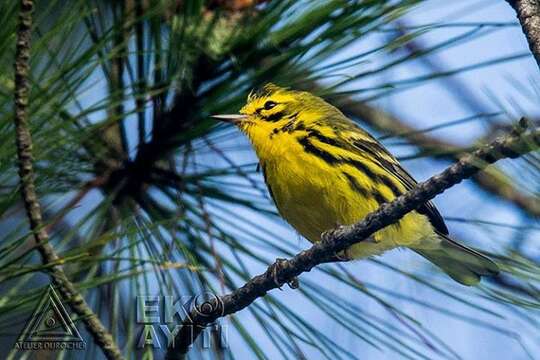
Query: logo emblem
[50, 327]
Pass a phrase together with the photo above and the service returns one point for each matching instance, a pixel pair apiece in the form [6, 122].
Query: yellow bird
[322, 170]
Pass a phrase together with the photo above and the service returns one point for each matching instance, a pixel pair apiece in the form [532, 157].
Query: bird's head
[274, 110]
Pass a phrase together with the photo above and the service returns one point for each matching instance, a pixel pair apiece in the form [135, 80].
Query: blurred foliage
[143, 193]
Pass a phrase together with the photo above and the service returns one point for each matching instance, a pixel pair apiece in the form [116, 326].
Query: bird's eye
[269, 104]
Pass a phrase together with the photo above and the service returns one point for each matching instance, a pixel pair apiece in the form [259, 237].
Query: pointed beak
[231, 118]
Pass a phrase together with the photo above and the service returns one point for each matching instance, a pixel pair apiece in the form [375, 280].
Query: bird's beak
[231, 118]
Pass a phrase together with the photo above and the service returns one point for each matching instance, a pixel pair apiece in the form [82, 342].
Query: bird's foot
[294, 283]
[328, 236]
[278, 265]
[343, 256]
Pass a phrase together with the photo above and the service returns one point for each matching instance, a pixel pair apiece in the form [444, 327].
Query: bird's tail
[461, 263]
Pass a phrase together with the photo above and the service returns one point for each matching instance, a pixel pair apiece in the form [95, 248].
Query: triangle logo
[50, 326]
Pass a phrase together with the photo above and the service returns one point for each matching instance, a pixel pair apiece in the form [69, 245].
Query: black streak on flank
[324, 139]
[329, 158]
[427, 209]
[356, 186]
[353, 183]
[356, 163]
[379, 197]
[390, 184]
[364, 168]
[320, 153]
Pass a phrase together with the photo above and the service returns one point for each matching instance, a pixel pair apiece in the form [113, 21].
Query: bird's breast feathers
[314, 196]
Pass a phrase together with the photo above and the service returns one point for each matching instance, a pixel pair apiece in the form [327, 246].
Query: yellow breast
[315, 196]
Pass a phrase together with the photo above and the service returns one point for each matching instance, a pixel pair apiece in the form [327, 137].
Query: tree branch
[335, 241]
[528, 13]
[26, 172]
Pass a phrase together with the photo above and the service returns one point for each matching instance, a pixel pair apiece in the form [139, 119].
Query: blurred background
[144, 194]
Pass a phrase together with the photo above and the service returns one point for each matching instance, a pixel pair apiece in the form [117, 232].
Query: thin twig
[511, 146]
[26, 172]
[83, 191]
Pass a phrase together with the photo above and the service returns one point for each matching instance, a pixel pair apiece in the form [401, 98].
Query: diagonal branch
[528, 13]
[26, 172]
[335, 241]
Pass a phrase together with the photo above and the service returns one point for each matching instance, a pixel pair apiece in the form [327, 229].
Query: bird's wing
[367, 144]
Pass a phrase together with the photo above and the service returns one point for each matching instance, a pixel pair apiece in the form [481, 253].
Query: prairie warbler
[322, 170]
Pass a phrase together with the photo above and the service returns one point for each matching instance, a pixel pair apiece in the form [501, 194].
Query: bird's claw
[293, 283]
[328, 235]
[343, 255]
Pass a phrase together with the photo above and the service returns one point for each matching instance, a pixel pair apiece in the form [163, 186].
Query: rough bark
[26, 173]
[528, 13]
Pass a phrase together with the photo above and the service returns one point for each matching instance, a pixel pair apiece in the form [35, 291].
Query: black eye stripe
[269, 105]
